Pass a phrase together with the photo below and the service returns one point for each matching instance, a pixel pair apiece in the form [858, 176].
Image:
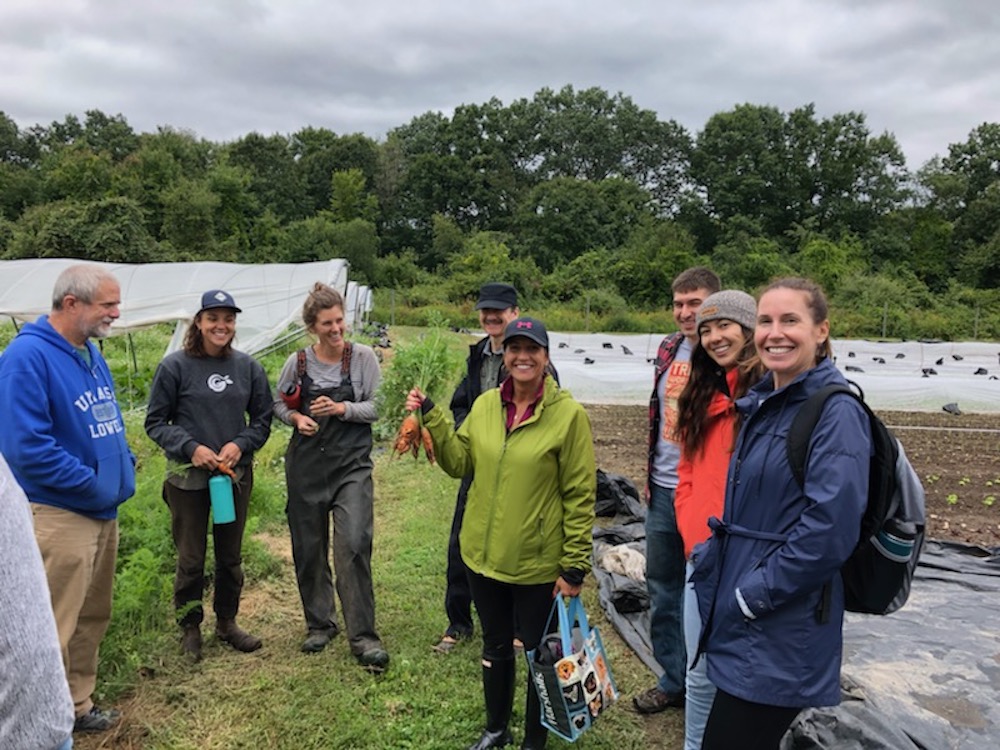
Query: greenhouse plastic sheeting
[270, 295]
[923, 678]
[617, 368]
[358, 302]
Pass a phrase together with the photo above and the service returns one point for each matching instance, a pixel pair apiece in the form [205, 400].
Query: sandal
[446, 644]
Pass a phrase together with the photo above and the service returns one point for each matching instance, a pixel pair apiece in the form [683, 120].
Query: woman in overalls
[327, 394]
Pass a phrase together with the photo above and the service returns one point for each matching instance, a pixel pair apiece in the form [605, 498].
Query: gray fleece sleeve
[365, 377]
[287, 375]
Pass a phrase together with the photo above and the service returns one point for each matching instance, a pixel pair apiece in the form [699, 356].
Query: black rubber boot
[498, 692]
[535, 734]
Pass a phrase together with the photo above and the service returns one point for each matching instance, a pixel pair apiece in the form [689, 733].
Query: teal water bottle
[220, 489]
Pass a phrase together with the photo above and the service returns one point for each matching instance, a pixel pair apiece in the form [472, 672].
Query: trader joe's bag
[571, 672]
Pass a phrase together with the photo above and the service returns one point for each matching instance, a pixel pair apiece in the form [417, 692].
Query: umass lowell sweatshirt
[61, 430]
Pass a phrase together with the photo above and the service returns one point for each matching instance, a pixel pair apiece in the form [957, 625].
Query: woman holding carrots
[209, 409]
[526, 532]
[328, 397]
[724, 364]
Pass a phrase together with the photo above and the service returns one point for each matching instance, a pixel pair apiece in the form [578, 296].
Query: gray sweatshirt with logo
[209, 401]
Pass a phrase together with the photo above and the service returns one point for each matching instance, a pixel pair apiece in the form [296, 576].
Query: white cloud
[927, 72]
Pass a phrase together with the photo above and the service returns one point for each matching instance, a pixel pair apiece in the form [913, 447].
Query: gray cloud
[927, 72]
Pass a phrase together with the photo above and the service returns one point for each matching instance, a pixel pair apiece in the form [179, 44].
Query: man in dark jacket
[497, 306]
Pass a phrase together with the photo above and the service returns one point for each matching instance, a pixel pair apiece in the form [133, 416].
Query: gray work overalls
[332, 472]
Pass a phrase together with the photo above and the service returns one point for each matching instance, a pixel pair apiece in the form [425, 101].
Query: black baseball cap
[530, 328]
[215, 298]
[496, 296]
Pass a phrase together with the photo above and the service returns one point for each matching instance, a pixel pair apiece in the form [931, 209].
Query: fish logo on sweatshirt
[218, 382]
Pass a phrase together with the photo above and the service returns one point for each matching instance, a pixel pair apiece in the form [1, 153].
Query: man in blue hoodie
[64, 439]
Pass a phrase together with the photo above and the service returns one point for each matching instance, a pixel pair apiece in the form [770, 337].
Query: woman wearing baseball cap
[526, 534]
[209, 409]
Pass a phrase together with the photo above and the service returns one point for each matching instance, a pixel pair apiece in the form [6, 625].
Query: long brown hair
[815, 301]
[706, 378]
[194, 341]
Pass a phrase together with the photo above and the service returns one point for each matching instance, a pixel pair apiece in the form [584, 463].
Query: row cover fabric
[616, 368]
[270, 295]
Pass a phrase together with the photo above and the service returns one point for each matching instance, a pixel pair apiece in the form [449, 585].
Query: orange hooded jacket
[701, 487]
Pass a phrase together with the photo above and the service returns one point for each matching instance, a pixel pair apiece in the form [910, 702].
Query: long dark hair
[706, 378]
[194, 341]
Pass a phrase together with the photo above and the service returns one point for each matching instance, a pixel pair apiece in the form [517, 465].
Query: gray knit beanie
[729, 304]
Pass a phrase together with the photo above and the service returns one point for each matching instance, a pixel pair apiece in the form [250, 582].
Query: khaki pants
[79, 555]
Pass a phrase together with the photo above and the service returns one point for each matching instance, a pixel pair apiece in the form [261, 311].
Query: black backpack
[877, 576]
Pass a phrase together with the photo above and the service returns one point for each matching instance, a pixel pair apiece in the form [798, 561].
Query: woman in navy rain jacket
[767, 580]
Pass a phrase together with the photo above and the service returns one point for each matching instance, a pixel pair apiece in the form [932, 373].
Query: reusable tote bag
[571, 672]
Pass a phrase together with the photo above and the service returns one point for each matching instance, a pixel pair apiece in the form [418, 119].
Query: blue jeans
[700, 690]
[665, 583]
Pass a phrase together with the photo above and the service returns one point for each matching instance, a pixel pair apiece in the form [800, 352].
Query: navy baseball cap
[216, 298]
[496, 296]
[530, 328]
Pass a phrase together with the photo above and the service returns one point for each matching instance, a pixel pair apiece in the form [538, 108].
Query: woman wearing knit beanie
[724, 364]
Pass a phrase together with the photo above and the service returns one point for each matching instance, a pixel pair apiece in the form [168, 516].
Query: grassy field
[279, 697]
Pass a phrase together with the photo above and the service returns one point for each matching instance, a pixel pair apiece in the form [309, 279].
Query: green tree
[20, 187]
[976, 161]
[275, 180]
[320, 152]
[110, 229]
[321, 238]
[349, 198]
[828, 263]
[645, 266]
[109, 135]
[189, 209]
[780, 170]
[76, 173]
[562, 218]
[487, 256]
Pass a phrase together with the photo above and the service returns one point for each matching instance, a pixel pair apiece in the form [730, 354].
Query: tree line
[569, 195]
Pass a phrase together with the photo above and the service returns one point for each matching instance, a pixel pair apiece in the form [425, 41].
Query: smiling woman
[526, 532]
[209, 409]
[328, 470]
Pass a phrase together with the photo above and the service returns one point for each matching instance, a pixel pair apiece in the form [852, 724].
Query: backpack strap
[800, 433]
[300, 367]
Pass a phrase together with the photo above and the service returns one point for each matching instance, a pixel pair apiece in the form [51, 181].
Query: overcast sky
[926, 70]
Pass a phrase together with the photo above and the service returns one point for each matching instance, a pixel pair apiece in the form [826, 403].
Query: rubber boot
[235, 636]
[498, 692]
[535, 733]
[191, 642]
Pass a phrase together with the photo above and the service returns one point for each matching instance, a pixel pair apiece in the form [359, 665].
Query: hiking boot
[231, 633]
[191, 642]
[655, 700]
[374, 659]
[317, 640]
[96, 720]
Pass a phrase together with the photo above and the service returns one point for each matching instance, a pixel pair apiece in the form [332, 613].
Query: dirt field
[957, 457]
